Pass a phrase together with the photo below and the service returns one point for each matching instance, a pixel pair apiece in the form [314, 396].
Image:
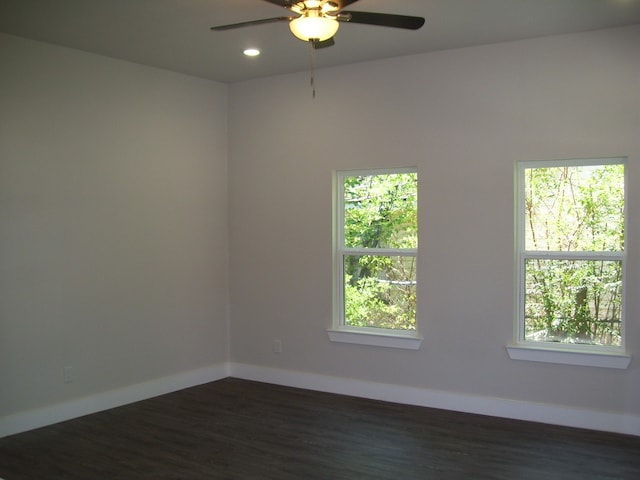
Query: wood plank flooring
[237, 429]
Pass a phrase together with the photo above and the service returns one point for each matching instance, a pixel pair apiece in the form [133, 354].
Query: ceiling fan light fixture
[313, 27]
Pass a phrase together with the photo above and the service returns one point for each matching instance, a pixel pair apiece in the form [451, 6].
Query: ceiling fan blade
[250, 23]
[343, 3]
[382, 19]
[323, 44]
[282, 3]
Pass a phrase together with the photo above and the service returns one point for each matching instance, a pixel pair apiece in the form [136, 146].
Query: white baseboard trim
[23, 421]
[497, 407]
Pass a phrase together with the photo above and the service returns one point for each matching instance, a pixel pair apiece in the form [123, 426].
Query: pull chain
[313, 69]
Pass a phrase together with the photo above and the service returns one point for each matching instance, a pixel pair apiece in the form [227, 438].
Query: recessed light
[251, 52]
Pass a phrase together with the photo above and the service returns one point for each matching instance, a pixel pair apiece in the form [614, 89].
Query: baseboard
[23, 421]
[497, 407]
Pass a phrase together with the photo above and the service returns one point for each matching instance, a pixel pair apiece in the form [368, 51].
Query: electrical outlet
[277, 346]
[67, 374]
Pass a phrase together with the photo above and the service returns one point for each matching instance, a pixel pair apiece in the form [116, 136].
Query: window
[571, 255]
[376, 245]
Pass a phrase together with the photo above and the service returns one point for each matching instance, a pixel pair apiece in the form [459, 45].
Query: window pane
[380, 291]
[575, 208]
[380, 211]
[573, 301]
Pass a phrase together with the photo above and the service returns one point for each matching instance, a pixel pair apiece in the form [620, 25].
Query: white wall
[113, 224]
[116, 204]
[464, 117]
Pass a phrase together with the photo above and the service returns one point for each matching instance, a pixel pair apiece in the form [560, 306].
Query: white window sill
[566, 356]
[377, 339]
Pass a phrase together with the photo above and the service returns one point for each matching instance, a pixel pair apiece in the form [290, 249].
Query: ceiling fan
[317, 21]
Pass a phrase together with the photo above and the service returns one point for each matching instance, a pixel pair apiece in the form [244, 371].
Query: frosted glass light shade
[316, 28]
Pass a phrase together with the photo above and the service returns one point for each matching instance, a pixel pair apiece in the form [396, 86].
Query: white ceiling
[175, 34]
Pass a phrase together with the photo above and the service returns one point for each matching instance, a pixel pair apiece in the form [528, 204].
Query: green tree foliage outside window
[572, 262]
[378, 254]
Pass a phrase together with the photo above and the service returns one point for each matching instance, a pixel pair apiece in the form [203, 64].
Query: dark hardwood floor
[237, 429]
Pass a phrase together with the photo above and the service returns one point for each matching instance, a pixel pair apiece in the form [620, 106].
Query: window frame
[553, 352]
[340, 331]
